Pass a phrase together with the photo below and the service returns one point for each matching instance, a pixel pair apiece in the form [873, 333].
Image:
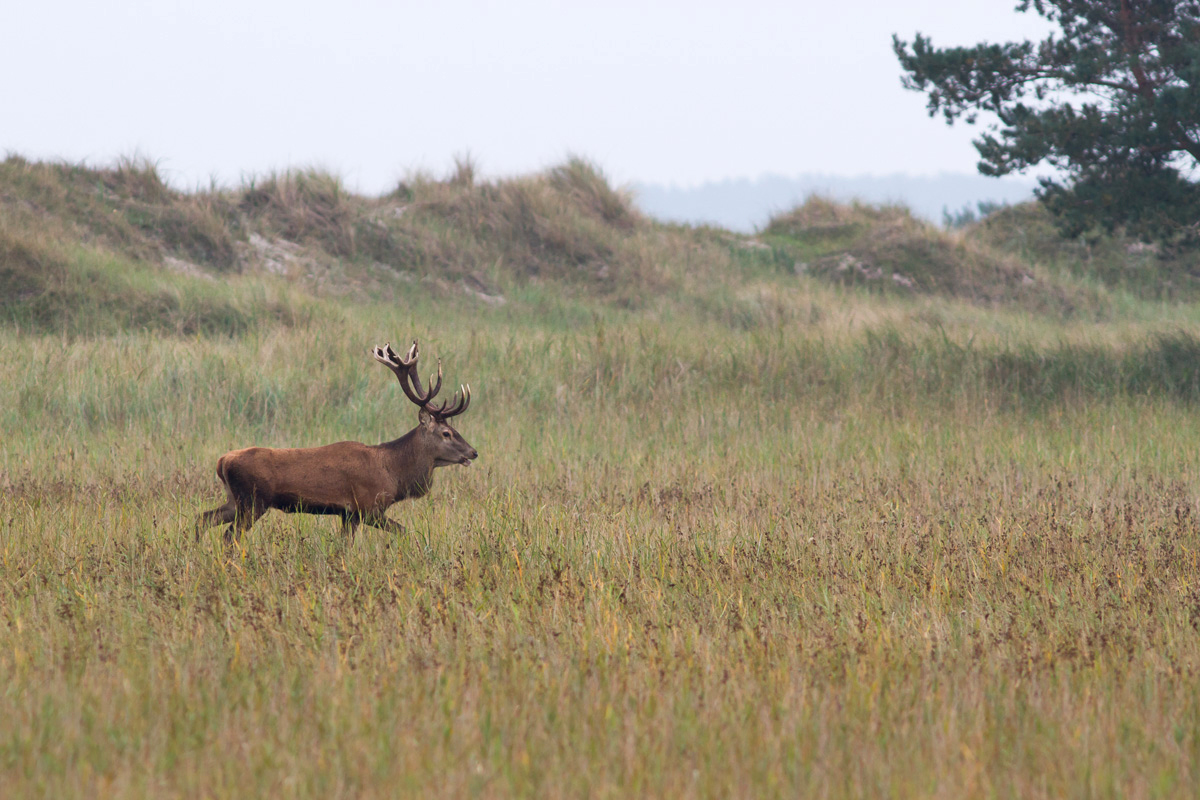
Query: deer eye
[446, 434]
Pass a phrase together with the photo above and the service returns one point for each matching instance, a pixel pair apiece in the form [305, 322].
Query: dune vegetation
[853, 506]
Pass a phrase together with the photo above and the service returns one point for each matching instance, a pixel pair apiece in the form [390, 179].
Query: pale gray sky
[678, 92]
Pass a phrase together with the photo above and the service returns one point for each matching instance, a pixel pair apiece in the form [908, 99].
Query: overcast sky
[672, 93]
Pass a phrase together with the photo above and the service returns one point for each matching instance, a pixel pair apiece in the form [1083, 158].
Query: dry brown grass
[567, 226]
[886, 248]
[765, 550]
[733, 532]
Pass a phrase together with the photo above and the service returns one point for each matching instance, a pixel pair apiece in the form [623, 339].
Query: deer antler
[405, 369]
[456, 405]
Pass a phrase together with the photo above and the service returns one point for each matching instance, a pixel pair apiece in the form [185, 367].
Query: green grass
[1113, 260]
[732, 531]
[887, 250]
[692, 560]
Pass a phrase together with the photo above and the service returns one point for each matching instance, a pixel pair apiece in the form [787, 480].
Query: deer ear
[424, 417]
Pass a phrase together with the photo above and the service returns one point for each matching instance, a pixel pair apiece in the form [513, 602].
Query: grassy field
[736, 532]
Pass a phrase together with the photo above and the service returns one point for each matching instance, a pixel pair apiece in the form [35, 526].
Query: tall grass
[733, 531]
[794, 555]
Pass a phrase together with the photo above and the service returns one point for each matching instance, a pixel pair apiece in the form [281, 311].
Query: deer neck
[410, 462]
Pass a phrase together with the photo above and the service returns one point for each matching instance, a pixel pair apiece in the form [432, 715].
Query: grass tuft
[304, 206]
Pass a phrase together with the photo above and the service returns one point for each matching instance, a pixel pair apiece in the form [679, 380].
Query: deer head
[448, 446]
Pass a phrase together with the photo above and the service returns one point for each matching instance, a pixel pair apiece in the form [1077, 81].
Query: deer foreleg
[216, 516]
[350, 525]
[379, 520]
[246, 516]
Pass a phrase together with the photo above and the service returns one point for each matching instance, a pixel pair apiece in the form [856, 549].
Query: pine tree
[1112, 100]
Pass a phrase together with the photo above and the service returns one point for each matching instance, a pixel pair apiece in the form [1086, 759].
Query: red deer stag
[357, 482]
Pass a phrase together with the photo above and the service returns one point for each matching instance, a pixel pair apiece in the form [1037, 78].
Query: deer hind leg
[217, 516]
[244, 494]
[222, 514]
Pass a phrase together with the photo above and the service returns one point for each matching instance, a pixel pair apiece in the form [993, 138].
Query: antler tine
[434, 388]
[410, 360]
[465, 389]
[458, 404]
[385, 355]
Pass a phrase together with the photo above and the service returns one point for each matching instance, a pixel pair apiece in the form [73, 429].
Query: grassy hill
[99, 249]
[855, 505]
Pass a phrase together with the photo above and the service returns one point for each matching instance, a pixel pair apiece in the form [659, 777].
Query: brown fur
[355, 481]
